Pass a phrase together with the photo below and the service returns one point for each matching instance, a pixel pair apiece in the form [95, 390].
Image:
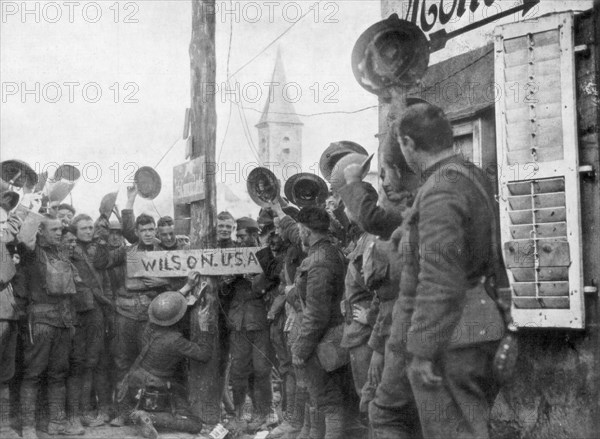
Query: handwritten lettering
[426, 14]
[214, 262]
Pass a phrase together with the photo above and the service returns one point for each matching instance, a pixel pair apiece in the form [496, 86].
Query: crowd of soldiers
[366, 310]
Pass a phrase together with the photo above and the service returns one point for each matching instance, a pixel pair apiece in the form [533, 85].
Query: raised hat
[338, 180]
[306, 189]
[392, 52]
[334, 152]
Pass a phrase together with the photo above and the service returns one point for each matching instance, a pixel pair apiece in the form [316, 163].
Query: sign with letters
[208, 262]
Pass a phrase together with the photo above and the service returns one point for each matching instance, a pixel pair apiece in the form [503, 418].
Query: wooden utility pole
[205, 380]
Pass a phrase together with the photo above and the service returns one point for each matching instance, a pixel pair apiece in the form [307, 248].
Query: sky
[104, 85]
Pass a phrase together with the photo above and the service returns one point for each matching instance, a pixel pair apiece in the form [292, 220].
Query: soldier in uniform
[320, 284]
[88, 342]
[438, 377]
[133, 298]
[47, 283]
[10, 311]
[249, 337]
[151, 393]
[380, 215]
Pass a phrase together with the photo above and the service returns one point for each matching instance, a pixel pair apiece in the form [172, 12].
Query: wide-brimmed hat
[334, 152]
[17, 173]
[338, 180]
[306, 189]
[392, 52]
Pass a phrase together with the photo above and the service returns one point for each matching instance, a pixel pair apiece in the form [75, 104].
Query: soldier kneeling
[153, 397]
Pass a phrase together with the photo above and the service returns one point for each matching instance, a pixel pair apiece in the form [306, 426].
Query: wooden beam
[205, 380]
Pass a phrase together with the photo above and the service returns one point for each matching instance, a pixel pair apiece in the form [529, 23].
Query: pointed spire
[278, 108]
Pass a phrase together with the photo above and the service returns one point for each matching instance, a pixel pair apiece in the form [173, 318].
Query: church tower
[280, 128]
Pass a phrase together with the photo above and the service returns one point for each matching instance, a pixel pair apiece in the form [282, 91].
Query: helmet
[9, 200]
[306, 189]
[390, 53]
[336, 151]
[262, 186]
[167, 308]
[337, 176]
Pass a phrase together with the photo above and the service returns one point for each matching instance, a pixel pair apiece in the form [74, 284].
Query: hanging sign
[188, 181]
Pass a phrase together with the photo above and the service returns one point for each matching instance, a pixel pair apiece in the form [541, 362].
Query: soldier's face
[146, 233]
[407, 146]
[65, 216]
[224, 229]
[390, 179]
[51, 231]
[85, 230]
[115, 238]
[166, 234]
[67, 244]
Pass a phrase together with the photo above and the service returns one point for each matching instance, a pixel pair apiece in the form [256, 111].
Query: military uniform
[153, 386]
[356, 335]
[320, 285]
[249, 341]
[446, 249]
[11, 310]
[51, 322]
[89, 338]
[132, 301]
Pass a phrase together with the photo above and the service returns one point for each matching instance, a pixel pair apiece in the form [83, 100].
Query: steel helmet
[167, 308]
[337, 175]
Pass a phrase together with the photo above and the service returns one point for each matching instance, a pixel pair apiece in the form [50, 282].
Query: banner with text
[208, 262]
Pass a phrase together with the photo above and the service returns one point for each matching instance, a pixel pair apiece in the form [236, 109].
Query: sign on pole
[188, 181]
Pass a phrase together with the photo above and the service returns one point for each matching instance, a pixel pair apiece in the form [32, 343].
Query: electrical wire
[310, 9]
[167, 152]
[318, 114]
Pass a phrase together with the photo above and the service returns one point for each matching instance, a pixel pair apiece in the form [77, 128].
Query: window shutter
[538, 161]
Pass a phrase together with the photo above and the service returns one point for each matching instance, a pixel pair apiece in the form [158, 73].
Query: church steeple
[280, 128]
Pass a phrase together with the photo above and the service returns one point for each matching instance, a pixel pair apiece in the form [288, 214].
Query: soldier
[320, 284]
[152, 395]
[47, 283]
[297, 418]
[89, 339]
[249, 337]
[133, 298]
[437, 377]
[65, 213]
[381, 267]
[10, 311]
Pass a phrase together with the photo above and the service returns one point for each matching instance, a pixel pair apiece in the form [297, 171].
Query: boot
[317, 424]
[334, 423]
[6, 432]
[73, 427]
[306, 416]
[238, 424]
[145, 425]
[28, 404]
[29, 433]
[291, 427]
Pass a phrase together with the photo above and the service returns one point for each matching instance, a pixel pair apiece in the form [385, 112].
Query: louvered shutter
[538, 163]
